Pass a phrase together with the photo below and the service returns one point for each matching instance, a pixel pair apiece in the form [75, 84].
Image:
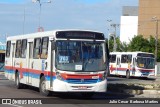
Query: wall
[147, 10]
[128, 28]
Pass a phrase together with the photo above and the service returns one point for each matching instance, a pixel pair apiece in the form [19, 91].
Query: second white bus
[136, 64]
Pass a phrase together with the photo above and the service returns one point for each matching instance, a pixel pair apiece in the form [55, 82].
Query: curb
[133, 89]
[139, 92]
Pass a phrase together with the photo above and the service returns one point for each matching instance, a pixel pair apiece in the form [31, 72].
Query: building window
[24, 48]
[37, 48]
[44, 52]
[8, 48]
[18, 49]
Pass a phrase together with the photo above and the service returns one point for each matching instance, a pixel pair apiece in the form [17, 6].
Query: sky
[22, 16]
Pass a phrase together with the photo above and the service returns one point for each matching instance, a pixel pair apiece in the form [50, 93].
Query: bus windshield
[80, 56]
[146, 62]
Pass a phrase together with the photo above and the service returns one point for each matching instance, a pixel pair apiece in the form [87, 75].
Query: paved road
[8, 90]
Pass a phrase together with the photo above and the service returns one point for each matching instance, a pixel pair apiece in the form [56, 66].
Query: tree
[121, 47]
[138, 43]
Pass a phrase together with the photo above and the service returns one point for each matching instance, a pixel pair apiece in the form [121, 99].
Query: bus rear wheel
[17, 81]
[42, 87]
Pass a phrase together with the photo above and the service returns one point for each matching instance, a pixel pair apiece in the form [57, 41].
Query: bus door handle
[32, 64]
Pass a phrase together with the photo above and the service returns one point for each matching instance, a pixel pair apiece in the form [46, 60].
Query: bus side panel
[9, 69]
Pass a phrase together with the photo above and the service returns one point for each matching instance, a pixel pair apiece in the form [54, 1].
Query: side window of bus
[2, 57]
[112, 58]
[44, 47]
[8, 48]
[124, 59]
[37, 48]
[18, 49]
[24, 48]
[129, 58]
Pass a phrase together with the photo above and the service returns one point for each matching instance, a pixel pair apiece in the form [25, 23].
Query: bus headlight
[58, 76]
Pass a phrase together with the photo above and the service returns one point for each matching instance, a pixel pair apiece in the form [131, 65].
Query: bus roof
[42, 34]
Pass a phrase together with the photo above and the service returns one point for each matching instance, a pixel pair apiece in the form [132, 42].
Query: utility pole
[156, 42]
[108, 30]
[115, 43]
[40, 28]
[156, 37]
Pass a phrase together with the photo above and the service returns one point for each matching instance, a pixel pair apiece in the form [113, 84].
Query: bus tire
[127, 74]
[42, 87]
[17, 81]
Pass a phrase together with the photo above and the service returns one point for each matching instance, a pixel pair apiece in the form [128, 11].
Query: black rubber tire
[42, 87]
[127, 74]
[17, 81]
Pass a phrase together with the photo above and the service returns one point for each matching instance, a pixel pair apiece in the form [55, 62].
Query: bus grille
[82, 81]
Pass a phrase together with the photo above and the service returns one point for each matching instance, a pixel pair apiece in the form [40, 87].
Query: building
[129, 23]
[149, 11]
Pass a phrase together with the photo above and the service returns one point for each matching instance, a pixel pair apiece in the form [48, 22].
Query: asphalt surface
[8, 90]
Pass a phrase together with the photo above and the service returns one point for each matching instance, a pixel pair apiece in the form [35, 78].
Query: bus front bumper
[61, 86]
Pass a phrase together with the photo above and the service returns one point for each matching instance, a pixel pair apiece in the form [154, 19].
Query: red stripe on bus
[29, 70]
[80, 76]
[146, 70]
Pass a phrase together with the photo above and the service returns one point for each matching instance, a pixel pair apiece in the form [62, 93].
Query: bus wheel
[127, 74]
[42, 87]
[87, 95]
[17, 81]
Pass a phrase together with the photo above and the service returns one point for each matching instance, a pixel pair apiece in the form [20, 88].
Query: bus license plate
[82, 87]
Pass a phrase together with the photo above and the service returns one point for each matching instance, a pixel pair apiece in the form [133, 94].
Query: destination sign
[79, 35]
[145, 55]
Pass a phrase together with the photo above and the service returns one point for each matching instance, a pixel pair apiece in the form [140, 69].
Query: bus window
[18, 49]
[37, 47]
[44, 53]
[112, 58]
[2, 57]
[126, 58]
[24, 48]
[8, 48]
[129, 58]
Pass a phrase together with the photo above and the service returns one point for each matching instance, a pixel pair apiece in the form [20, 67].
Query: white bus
[138, 64]
[59, 61]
